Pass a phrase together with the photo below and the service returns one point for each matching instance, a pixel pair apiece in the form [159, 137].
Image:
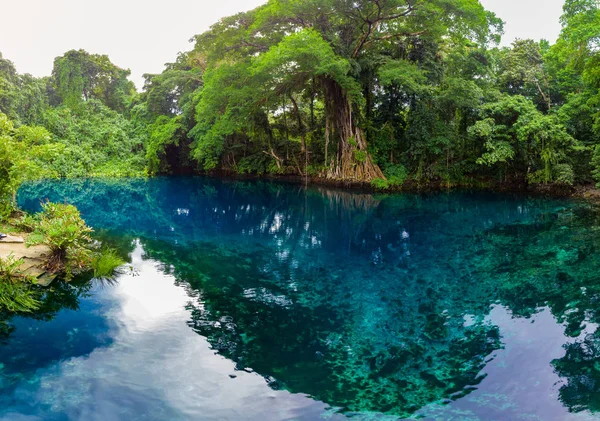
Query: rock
[33, 258]
[34, 271]
[29, 263]
[46, 279]
[12, 240]
[19, 250]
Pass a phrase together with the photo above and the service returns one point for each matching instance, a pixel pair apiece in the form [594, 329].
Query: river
[254, 300]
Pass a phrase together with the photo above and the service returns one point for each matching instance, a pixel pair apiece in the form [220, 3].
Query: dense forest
[385, 92]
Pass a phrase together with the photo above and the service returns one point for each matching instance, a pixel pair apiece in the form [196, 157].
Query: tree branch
[372, 25]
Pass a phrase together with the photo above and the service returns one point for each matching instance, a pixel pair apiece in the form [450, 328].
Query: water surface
[267, 301]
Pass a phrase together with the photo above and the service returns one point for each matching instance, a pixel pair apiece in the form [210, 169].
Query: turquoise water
[266, 301]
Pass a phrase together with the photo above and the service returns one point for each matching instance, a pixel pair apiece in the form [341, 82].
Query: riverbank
[33, 259]
[58, 242]
[586, 191]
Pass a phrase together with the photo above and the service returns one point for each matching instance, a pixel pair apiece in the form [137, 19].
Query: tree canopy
[372, 91]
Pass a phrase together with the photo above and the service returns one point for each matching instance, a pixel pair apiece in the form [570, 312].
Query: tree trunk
[546, 98]
[302, 131]
[326, 141]
[353, 161]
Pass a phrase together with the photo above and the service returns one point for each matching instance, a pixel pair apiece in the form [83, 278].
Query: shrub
[105, 262]
[6, 209]
[316, 170]
[256, 164]
[563, 174]
[380, 184]
[596, 165]
[396, 175]
[60, 227]
[23, 222]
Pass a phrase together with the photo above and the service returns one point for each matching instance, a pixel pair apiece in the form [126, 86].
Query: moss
[360, 156]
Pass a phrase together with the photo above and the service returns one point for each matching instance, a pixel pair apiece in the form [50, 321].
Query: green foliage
[380, 184]
[73, 124]
[396, 175]
[17, 297]
[256, 164]
[221, 111]
[403, 74]
[522, 72]
[515, 132]
[360, 156]
[9, 267]
[23, 222]
[79, 76]
[296, 85]
[105, 262]
[596, 165]
[299, 57]
[61, 228]
[15, 287]
[95, 141]
[23, 98]
[283, 79]
[163, 132]
[497, 144]
[24, 155]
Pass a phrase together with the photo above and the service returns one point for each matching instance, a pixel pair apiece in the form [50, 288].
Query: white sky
[536, 19]
[143, 35]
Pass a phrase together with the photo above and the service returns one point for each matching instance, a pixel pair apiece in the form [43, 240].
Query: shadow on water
[383, 304]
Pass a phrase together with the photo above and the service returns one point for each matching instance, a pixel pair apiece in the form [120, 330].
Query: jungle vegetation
[373, 91]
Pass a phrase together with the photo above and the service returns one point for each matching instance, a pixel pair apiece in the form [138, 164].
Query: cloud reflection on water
[156, 368]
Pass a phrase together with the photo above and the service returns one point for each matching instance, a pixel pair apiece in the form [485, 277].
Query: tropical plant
[105, 262]
[61, 228]
[15, 287]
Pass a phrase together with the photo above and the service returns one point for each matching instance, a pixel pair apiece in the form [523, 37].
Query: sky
[143, 35]
[535, 19]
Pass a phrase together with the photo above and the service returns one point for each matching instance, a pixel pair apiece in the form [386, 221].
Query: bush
[60, 227]
[23, 221]
[6, 209]
[316, 170]
[105, 263]
[380, 184]
[396, 175]
[563, 174]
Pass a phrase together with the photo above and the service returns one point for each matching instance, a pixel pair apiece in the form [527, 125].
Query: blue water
[270, 301]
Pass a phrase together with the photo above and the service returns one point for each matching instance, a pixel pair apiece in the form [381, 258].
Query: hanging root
[352, 162]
